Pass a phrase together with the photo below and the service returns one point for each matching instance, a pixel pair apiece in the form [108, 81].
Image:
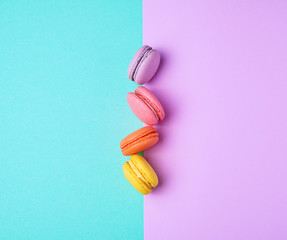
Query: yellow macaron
[140, 174]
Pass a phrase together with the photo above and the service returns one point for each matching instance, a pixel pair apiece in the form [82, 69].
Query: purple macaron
[144, 65]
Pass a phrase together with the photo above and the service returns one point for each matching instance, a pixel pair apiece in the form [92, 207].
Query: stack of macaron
[149, 110]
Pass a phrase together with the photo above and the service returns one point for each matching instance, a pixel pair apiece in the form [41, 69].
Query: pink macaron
[145, 106]
[144, 65]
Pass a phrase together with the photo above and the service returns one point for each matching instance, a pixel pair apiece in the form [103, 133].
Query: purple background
[222, 155]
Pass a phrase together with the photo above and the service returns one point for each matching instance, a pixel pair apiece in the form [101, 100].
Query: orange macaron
[139, 141]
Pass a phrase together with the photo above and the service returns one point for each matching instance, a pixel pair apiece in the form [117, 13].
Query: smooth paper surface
[222, 155]
[63, 113]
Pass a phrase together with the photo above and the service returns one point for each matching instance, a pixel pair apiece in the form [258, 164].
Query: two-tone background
[222, 156]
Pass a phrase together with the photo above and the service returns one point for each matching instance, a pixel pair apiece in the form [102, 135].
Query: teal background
[63, 112]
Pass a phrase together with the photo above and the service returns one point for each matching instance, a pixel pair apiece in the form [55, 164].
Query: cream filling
[135, 140]
[143, 57]
[149, 106]
[139, 174]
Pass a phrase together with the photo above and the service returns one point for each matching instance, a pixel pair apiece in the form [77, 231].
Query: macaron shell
[152, 100]
[135, 60]
[145, 169]
[137, 134]
[141, 109]
[147, 68]
[136, 182]
[140, 144]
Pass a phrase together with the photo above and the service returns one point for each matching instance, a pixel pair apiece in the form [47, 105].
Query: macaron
[145, 106]
[140, 174]
[144, 65]
[139, 141]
